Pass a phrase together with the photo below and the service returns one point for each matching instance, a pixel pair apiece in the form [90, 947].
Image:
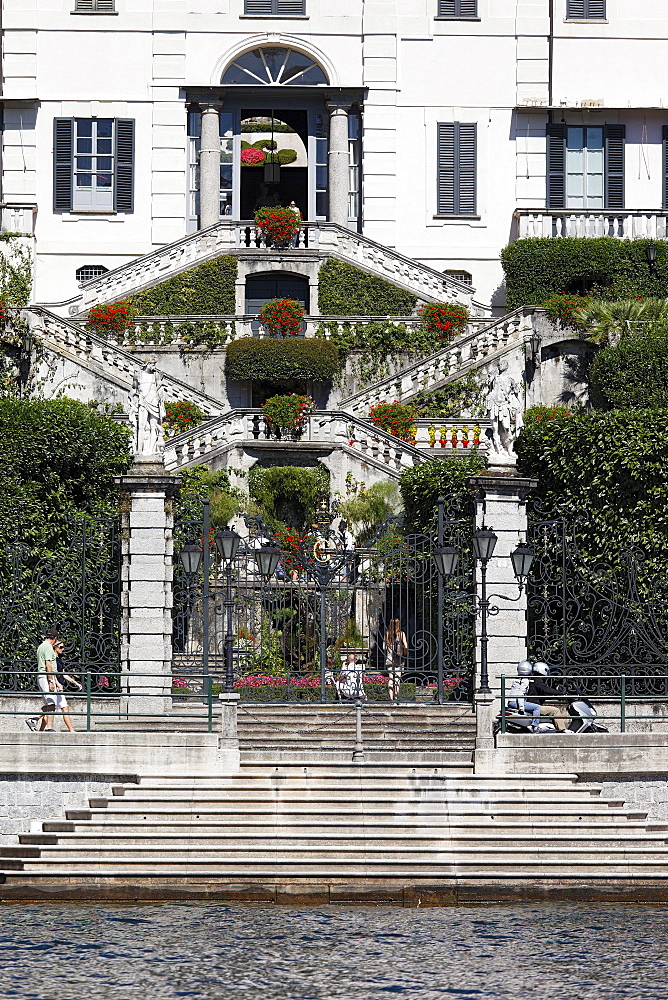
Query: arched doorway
[264, 287]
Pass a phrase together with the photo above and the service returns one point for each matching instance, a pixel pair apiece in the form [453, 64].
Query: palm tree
[607, 322]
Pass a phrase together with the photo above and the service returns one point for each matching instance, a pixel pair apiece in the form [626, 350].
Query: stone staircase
[328, 820]
[106, 360]
[322, 240]
[473, 350]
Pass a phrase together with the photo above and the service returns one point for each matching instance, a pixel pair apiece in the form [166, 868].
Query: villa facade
[441, 128]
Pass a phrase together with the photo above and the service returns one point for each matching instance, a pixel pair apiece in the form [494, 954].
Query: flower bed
[444, 319]
[113, 319]
[251, 156]
[306, 687]
[565, 309]
[288, 414]
[181, 416]
[395, 418]
[277, 225]
[282, 317]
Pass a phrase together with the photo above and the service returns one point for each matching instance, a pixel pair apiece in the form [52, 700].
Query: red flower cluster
[444, 319]
[251, 157]
[290, 541]
[396, 418]
[537, 415]
[115, 318]
[565, 309]
[181, 416]
[178, 683]
[278, 225]
[289, 412]
[282, 317]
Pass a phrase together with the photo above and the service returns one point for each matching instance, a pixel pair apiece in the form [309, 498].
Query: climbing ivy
[205, 290]
[344, 290]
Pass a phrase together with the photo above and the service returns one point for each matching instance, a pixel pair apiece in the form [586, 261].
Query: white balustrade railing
[227, 236]
[620, 224]
[469, 351]
[101, 357]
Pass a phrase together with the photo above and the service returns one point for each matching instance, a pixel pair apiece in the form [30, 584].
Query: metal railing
[573, 687]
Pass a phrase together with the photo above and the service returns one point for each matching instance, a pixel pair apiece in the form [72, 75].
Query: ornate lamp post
[227, 545]
[447, 557]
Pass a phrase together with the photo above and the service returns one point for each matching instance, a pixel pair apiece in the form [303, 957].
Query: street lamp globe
[227, 544]
[484, 543]
[191, 558]
[446, 558]
[267, 558]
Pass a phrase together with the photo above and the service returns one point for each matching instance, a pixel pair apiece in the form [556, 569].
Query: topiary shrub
[288, 494]
[631, 375]
[205, 290]
[344, 290]
[536, 269]
[269, 359]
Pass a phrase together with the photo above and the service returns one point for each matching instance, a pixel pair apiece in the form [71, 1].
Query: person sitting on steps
[539, 690]
[516, 697]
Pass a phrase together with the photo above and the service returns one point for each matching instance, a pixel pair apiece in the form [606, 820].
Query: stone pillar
[501, 506]
[209, 165]
[339, 163]
[146, 642]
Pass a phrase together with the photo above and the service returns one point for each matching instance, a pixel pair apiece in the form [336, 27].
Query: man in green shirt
[47, 682]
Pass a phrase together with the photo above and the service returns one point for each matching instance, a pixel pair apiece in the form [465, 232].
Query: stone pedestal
[339, 163]
[501, 495]
[229, 737]
[209, 165]
[146, 641]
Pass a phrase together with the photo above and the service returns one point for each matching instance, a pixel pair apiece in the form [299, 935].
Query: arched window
[90, 271]
[274, 67]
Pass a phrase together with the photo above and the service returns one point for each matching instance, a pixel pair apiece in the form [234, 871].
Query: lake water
[229, 952]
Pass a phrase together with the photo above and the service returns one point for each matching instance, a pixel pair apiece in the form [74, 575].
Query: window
[589, 10]
[274, 67]
[465, 277]
[93, 165]
[456, 168]
[321, 166]
[585, 168]
[94, 7]
[226, 132]
[457, 8]
[280, 8]
[90, 271]
[665, 166]
[354, 166]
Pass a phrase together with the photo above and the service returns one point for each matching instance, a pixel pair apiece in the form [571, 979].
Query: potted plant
[396, 418]
[444, 319]
[277, 225]
[112, 320]
[181, 415]
[287, 416]
[350, 640]
[282, 317]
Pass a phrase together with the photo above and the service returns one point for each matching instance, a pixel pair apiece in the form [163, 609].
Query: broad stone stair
[331, 820]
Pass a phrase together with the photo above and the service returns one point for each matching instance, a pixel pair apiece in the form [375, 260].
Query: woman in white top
[396, 652]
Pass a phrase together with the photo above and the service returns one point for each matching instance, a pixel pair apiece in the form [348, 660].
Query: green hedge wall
[538, 268]
[269, 359]
[207, 289]
[344, 290]
[633, 374]
[422, 485]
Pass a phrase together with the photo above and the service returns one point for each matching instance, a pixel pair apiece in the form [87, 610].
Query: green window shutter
[125, 154]
[456, 170]
[556, 165]
[63, 163]
[614, 165]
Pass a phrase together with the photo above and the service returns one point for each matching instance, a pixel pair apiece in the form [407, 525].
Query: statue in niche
[505, 406]
[147, 412]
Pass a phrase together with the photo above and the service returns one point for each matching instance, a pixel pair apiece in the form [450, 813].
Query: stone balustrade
[466, 352]
[227, 236]
[621, 224]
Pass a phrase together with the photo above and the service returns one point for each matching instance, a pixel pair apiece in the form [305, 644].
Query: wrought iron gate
[600, 616]
[75, 588]
[316, 630]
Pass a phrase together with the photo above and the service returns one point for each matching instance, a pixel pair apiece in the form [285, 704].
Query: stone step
[341, 790]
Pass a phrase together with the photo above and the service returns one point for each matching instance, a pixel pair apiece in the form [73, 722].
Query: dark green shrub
[285, 359]
[205, 290]
[536, 269]
[608, 472]
[288, 494]
[344, 290]
[439, 404]
[631, 375]
[422, 485]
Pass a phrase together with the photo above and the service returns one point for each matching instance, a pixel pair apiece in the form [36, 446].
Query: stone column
[339, 163]
[209, 165]
[501, 495]
[146, 642]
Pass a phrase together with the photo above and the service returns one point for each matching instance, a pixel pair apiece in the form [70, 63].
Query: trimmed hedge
[536, 269]
[205, 290]
[422, 485]
[344, 290]
[631, 375]
[285, 359]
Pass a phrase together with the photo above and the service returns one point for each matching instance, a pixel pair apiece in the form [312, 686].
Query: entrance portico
[326, 122]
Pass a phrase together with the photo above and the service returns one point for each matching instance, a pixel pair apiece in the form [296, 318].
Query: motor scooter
[581, 711]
